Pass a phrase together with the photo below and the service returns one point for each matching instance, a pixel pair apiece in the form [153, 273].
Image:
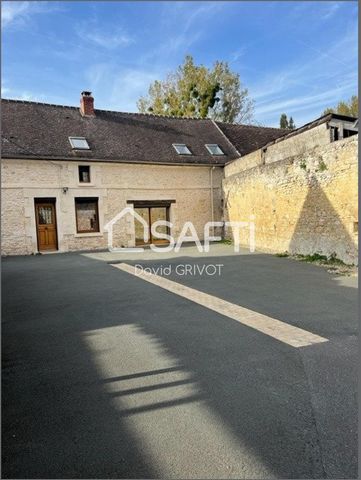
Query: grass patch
[225, 241]
[333, 260]
[322, 259]
[331, 263]
[322, 166]
[315, 257]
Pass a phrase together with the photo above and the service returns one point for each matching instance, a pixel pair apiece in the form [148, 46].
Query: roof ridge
[152, 115]
[250, 126]
[290, 133]
[16, 100]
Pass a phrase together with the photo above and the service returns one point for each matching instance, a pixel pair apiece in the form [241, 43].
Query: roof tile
[41, 130]
[247, 138]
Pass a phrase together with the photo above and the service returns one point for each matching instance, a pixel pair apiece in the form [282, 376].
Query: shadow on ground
[60, 418]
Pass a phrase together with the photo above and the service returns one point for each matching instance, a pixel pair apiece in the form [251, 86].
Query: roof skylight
[214, 149]
[182, 149]
[79, 143]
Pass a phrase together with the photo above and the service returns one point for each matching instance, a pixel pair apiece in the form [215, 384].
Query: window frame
[175, 145]
[85, 200]
[334, 134]
[89, 175]
[208, 147]
[79, 148]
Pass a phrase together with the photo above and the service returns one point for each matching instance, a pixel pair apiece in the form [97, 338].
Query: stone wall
[113, 185]
[281, 149]
[304, 203]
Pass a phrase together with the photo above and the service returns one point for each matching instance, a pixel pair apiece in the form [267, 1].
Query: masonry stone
[301, 190]
[303, 203]
[114, 185]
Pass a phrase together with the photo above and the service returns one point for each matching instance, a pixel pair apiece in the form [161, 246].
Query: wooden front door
[46, 226]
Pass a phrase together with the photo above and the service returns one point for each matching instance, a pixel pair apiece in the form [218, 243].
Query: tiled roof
[247, 138]
[41, 130]
[37, 130]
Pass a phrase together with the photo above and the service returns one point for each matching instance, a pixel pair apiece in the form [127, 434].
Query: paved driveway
[107, 375]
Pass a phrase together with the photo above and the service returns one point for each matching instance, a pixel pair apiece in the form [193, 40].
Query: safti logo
[109, 228]
[188, 234]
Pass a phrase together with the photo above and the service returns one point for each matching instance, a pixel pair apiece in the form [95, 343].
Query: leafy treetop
[200, 92]
[348, 107]
[285, 123]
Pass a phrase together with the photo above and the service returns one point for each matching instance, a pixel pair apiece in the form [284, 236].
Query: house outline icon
[108, 227]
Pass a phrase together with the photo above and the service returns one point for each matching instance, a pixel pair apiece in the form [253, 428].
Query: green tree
[197, 91]
[283, 121]
[291, 124]
[348, 107]
[234, 105]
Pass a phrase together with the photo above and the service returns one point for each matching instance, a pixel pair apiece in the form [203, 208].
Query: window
[86, 212]
[182, 149]
[334, 134]
[79, 143]
[338, 133]
[214, 149]
[349, 133]
[84, 173]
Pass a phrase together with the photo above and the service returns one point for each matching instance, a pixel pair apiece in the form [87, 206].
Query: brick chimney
[87, 104]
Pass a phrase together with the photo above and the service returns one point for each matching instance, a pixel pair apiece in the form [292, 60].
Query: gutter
[212, 199]
[102, 160]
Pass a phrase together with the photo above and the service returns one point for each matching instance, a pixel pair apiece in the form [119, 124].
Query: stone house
[68, 171]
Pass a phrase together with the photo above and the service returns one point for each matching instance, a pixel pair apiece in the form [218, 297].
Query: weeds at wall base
[332, 263]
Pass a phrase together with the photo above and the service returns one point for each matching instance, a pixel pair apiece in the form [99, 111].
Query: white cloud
[190, 22]
[129, 86]
[5, 90]
[22, 95]
[105, 40]
[28, 96]
[13, 92]
[98, 73]
[14, 13]
[315, 11]
[331, 11]
[304, 102]
[237, 54]
[317, 80]
[119, 88]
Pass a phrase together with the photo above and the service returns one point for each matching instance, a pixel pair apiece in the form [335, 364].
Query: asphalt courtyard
[112, 374]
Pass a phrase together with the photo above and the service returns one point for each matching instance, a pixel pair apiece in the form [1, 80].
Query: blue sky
[294, 57]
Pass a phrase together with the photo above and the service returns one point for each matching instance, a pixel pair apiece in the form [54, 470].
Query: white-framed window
[214, 149]
[181, 149]
[79, 143]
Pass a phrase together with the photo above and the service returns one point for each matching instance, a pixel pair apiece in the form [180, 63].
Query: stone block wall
[281, 149]
[304, 203]
[114, 185]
